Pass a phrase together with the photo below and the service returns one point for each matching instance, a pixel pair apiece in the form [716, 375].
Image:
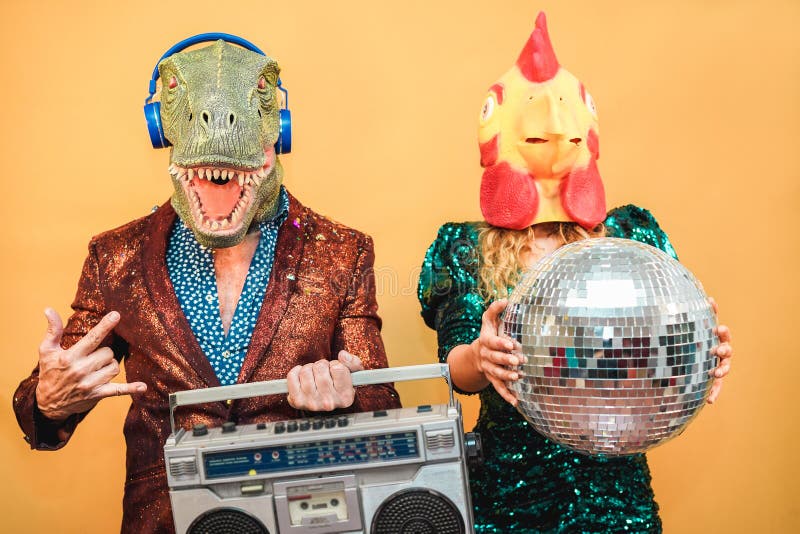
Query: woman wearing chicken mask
[540, 189]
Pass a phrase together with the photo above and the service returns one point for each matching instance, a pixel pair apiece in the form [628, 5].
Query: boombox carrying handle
[279, 387]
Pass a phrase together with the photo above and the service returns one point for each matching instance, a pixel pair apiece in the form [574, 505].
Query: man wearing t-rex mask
[231, 281]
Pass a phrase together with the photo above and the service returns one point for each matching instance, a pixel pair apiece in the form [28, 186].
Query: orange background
[699, 122]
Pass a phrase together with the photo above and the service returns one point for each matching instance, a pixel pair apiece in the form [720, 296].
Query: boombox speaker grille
[226, 521]
[417, 511]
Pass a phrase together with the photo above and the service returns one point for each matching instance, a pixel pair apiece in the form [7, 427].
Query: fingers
[115, 389]
[714, 305]
[716, 387]
[295, 395]
[495, 309]
[496, 342]
[503, 390]
[723, 351]
[500, 373]
[95, 361]
[722, 369]
[323, 385]
[104, 374]
[96, 335]
[723, 333]
[351, 361]
[496, 364]
[55, 329]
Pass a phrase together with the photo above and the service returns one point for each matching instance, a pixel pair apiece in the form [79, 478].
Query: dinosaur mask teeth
[218, 197]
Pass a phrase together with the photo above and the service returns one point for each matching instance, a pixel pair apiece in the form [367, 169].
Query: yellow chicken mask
[539, 144]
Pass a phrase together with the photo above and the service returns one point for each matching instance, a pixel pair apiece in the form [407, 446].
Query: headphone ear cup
[152, 114]
[284, 143]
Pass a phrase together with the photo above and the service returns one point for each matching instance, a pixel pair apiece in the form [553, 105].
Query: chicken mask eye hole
[589, 101]
[488, 108]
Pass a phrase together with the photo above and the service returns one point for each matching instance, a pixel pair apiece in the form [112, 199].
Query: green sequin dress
[527, 482]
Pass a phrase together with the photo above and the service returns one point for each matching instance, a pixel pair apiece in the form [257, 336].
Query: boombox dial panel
[325, 452]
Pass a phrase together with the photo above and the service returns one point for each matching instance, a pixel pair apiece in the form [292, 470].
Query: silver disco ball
[616, 337]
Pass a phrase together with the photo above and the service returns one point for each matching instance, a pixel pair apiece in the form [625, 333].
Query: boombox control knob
[199, 430]
[305, 425]
[342, 421]
[280, 427]
[317, 424]
[228, 426]
[473, 449]
[291, 426]
[330, 423]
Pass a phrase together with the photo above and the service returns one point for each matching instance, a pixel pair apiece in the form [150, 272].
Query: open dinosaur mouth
[219, 196]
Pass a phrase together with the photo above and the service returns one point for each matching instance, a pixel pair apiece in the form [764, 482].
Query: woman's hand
[723, 351]
[492, 353]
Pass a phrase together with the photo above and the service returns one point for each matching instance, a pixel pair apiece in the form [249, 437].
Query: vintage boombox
[399, 471]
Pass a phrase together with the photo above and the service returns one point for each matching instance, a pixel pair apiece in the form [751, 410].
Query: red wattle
[488, 152]
[509, 198]
[583, 196]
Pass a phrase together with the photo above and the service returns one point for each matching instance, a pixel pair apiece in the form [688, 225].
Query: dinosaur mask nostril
[231, 119]
[204, 115]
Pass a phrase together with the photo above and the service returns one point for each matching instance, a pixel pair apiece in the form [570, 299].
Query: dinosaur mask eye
[173, 82]
[262, 83]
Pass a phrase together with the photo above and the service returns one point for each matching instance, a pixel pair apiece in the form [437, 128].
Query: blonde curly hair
[503, 253]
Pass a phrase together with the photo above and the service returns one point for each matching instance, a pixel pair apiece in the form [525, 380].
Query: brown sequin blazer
[320, 299]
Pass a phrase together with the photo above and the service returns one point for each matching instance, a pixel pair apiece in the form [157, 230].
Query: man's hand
[324, 385]
[74, 380]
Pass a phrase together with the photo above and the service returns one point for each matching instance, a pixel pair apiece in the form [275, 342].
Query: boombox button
[424, 408]
[261, 426]
[228, 426]
[305, 425]
[379, 413]
[252, 488]
[199, 430]
[280, 427]
[291, 426]
[330, 423]
[342, 421]
[316, 424]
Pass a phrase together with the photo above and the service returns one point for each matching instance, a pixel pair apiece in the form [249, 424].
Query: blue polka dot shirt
[191, 270]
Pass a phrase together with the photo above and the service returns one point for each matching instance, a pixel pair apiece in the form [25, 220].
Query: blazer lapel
[163, 295]
[282, 283]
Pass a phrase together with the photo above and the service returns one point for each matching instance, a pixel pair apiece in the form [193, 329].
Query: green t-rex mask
[220, 112]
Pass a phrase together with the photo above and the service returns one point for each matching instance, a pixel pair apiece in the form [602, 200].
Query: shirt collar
[283, 210]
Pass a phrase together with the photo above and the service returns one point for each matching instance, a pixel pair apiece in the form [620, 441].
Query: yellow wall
[698, 110]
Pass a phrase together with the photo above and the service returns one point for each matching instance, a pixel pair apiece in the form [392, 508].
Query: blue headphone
[152, 110]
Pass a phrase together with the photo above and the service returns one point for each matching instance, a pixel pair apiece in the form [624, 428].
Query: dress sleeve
[632, 222]
[358, 331]
[88, 308]
[448, 287]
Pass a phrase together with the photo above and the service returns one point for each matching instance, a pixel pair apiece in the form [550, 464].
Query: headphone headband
[152, 110]
[195, 39]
